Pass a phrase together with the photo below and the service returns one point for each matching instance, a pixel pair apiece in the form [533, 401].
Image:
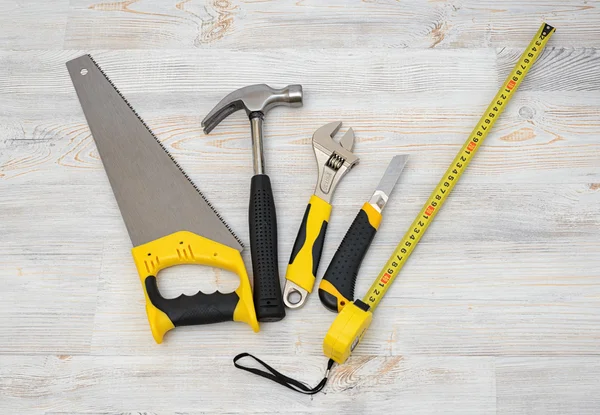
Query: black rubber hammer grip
[268, 299]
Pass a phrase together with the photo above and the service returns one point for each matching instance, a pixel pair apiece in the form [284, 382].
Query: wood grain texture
[311, 24]
[79, 384]
[497, 311]
[33, 24]
[546, 385]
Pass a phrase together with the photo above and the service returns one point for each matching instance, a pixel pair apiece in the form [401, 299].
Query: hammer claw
[219, 114]
[254, 99]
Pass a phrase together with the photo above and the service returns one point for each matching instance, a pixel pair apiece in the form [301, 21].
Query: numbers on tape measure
[460, 163]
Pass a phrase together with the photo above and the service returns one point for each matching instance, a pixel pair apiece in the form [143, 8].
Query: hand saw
[169, 221]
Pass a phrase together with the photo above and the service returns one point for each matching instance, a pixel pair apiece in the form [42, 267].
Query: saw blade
[155, 196]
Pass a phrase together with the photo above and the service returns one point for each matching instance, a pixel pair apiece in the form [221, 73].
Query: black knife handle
[337, 286]
[268, 298]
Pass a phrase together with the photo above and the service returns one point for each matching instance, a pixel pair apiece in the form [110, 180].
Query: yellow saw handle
[306, 253]
[188, 248]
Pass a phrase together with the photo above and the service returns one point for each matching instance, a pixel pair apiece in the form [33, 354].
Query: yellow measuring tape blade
[456, 169]
[354, 319]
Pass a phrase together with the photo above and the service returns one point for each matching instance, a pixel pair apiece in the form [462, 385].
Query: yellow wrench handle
[306, 254]
[188, 248]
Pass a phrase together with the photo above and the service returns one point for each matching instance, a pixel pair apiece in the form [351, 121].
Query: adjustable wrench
[334, 160]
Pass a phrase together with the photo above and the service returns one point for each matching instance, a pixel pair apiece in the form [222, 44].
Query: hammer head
[258, 98]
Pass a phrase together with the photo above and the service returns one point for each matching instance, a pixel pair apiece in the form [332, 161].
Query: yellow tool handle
[188, 248]
[352, 322]
[306, 253]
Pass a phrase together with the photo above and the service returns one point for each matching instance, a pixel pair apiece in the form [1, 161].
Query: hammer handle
[268, 299]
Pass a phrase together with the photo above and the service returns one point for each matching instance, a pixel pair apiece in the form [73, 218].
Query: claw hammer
[256, 100]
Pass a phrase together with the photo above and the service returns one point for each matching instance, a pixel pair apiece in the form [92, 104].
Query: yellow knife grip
[188, 248]
[306, 254]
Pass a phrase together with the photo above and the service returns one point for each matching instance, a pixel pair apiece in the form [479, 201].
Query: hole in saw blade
[83, 72]
[189, 279]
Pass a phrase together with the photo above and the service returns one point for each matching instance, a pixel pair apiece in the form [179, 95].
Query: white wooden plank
[552, 149]
[548, 385]
[177, 384]
[33, 24]
[215, 72]
[523, 213]
[387, 73]
[334, 24]
[48, 295]
[533, 130]
[557, 69]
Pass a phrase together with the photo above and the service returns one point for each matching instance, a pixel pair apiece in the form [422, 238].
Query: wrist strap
[280, 378]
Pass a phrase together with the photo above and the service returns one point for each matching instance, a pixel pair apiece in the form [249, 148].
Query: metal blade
[155, 196]
[392, 174]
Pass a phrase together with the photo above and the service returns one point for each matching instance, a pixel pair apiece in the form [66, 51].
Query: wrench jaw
[347, 140]
[294, 296]
[334, 159]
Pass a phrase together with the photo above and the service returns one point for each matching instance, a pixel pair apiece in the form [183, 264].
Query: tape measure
[350, 325]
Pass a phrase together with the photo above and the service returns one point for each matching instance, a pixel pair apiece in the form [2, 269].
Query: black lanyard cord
[282, 379]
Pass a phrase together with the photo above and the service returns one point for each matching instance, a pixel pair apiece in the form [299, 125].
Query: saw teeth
[167, 151]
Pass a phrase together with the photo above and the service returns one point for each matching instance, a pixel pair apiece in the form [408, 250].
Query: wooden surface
[498, 310]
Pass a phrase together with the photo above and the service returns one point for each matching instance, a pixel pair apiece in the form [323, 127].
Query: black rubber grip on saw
[344, 266]
[268, 298]
[199, 308]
